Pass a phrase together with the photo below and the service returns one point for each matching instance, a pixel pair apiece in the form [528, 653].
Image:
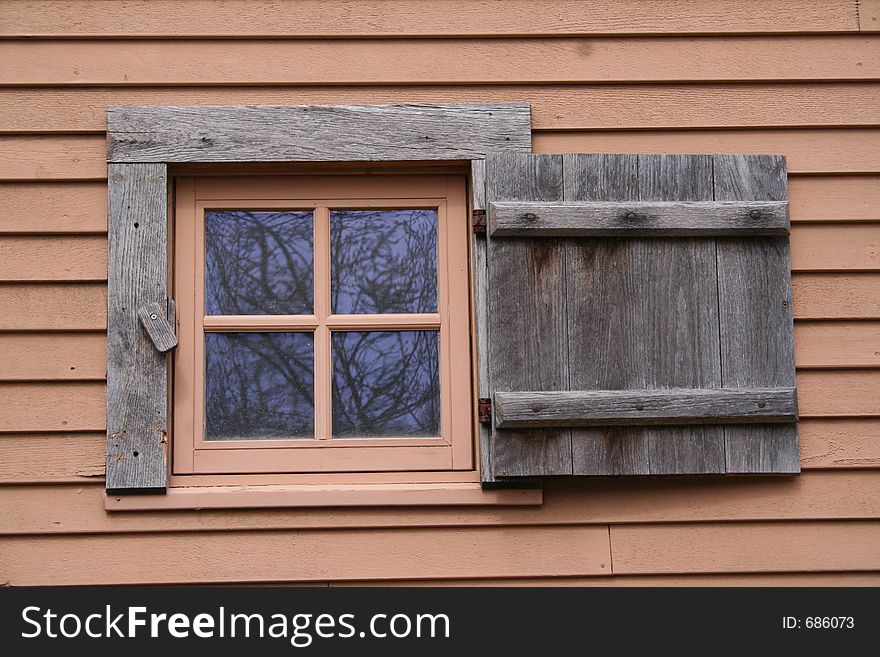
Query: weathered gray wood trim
[160, 329]
[524, 410]
[137, 373]
[316, 133]
[755, 314]
[635, 219]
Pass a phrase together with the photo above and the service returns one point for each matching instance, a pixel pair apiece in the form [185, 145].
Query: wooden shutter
[639, 315]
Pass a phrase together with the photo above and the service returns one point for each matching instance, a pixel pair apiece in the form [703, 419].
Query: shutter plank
[528, 334]
[680, 315]
[757, 334]
[137, 375]
[604, 353]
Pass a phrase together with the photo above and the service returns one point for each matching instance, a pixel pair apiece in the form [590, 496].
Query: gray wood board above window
[677, 307]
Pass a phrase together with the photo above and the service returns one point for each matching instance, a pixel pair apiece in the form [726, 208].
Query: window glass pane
[383, 261]
[259, 385]
[385, 384]
[258, 263]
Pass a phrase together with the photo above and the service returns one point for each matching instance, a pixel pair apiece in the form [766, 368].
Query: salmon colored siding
[745, 76]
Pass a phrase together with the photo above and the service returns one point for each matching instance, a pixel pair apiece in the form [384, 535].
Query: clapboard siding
[660, 78]
[809, 151]
[766, 547]
[816, 495]
[82, 356]
[80, 406]
[441, 60]
[554, 107]
[311, 18]
[381, 554]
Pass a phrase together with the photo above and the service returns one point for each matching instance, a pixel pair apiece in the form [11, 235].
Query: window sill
[242, 497]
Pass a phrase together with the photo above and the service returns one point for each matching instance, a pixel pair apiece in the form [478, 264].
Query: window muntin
[386, 373]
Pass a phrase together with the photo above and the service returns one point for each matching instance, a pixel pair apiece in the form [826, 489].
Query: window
[324, 325]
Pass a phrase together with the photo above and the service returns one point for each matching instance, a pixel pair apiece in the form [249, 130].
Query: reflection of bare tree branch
[258, 263]
[259, 385]
[386, 383]
[384, 261]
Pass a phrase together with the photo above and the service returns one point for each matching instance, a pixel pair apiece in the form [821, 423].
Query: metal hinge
[479, 222]
[484, 410]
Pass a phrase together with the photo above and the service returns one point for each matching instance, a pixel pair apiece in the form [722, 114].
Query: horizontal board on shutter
[741, 547]
[817, 495]
[638, 219]
[554, 107]
[321, 555]
[313, 18]
[852, 150]
[384, 61]
[643, 407]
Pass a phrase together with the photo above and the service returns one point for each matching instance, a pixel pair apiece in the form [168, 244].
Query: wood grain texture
[54, 458]
[137, 374]
[834, 198]
[48, 208]
[554, 107]
[845, 151]
[81, 258]
[321, 555]
[53, 307]
[643, 407]
[836, 296]
[528, 337]
[840, 443]
[836, 247]
[158, 327]
[817, 495]
[394, 18]
[638, 219]
[328, 133]
[44, 407]
[837, 344]
[53, 357]
[739, 547]
[755, 314]
[449, 61]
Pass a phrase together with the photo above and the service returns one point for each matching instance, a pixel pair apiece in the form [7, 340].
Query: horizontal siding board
[765, 547]
[80, 406]
[554, 107]
[312, 18]
[840, 443]
[53, 307]
[629, 581]
[835, 247]
[818, 495]
[837, 344]
[836, 296]
[53, 158]
[320, 555]
[81, 258]
[82, 356]
[853, 150]
[53, 458]
[49, 207]
[83, 306]
[53, 357]
[834, 198]
[448, 61]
